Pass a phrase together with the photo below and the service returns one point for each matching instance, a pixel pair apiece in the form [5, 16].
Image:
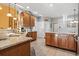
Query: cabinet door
[64, 41]
[26, 20]
[11, 22]
[59, 40]
[71, 43]
[48, 38]
[32, 21]
[15, 23]
[56, 41]
[48, 41]
[34, 35]
[78, 46]
[53, 39]
[67, 42]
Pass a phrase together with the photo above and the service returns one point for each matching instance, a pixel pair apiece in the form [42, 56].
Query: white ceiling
[57, 10]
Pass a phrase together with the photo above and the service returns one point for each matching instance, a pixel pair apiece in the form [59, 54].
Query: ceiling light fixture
[28, 7]
[51, 5]
[74, 21]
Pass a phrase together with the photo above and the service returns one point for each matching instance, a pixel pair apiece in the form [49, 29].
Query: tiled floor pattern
[42, 50]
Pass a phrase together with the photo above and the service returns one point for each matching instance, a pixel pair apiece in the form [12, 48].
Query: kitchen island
[15, 46]
[65, 41]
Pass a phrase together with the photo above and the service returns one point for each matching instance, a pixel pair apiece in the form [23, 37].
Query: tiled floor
[42, 50]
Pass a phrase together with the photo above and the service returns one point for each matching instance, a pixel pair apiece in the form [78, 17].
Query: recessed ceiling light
[51, 5]
[28, 7]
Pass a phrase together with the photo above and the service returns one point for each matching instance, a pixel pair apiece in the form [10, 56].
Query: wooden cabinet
[77, 46]
[15, 23]
[65, 41]
[71, 44]
[53, 39]
[22, 49]
[48, 39]
[32, 34]
[4, 19]
[32, 21]
[28, 20]
[11, 22]
[62, 41]
[59, 42]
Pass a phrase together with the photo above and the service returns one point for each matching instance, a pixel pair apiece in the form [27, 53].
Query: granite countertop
[62, 33]
[11, 41]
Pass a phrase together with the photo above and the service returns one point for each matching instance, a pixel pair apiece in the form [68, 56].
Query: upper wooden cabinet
[28, 20]
[4, 19]
[11, 22]
[32, 21]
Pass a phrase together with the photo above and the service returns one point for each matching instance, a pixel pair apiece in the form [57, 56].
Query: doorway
[54, 27]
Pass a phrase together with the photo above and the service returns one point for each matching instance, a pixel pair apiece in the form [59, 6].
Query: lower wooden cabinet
[77, 46]
[59, 42]
[32, 34]
[65, 41]
[48, 41]
[72, 43]
[22, 49]
[48, 37]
